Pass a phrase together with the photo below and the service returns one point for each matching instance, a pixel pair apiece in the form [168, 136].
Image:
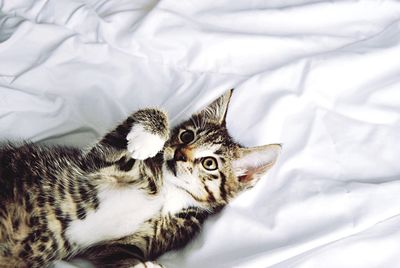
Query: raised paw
[143, 144]
[148, 264]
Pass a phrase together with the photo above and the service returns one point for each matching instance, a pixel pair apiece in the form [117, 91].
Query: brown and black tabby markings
[45, 189]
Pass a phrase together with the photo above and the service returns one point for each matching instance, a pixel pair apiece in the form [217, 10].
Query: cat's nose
[179, 155]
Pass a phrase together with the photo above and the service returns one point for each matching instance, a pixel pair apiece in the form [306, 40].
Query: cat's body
[136, 194]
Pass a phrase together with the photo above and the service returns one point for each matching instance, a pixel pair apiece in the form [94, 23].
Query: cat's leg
[116, 255]
[148, 134]
[148, 264]
[142, 135]
[154, 238]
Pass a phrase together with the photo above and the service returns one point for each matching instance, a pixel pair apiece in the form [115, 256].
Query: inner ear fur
[217, 110]
[252, 163]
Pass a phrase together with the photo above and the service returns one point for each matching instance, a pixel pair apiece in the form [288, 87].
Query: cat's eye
[210, 163]
[186, 136]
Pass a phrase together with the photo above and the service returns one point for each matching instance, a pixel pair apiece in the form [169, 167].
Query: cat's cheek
[143, 144]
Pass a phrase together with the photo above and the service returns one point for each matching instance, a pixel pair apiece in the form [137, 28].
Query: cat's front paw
[148, 264]
[143, 144]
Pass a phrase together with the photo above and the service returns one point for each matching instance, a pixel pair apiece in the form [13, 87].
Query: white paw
[143, 144]
[148, 264]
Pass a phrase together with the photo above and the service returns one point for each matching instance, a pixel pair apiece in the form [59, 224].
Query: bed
[322, 77]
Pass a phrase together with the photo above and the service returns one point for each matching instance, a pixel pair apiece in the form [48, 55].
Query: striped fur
[48, 190]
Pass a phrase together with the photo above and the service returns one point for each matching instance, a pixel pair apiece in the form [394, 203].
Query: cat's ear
[252, 163]
[216, 111]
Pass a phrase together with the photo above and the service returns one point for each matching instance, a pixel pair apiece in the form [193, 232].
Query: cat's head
[202, 159]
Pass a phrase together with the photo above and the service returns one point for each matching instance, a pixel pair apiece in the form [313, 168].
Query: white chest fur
[120, 213]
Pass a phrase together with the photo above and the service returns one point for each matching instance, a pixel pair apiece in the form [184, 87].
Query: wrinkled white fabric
[321, 77]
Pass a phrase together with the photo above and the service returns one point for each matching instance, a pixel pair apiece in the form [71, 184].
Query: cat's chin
[168, 174]
[172, 178]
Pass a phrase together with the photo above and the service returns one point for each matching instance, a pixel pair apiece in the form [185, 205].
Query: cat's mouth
[171, 165]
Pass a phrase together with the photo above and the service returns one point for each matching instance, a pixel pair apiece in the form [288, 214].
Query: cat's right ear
[253, 163]
[216, 111]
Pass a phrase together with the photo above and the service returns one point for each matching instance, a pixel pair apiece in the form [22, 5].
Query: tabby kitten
[139, 192]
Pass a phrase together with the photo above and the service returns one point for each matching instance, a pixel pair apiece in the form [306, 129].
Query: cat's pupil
[210, 163]
[187, 136]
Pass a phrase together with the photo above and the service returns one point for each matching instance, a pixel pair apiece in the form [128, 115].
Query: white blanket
[321, 77]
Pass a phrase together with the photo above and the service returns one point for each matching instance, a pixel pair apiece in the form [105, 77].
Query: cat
[141, 191]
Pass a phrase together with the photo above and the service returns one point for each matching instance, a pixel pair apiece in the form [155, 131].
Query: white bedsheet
[321, 77]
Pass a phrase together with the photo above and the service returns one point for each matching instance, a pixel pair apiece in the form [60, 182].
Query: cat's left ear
[216, 111]
[253, 163]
